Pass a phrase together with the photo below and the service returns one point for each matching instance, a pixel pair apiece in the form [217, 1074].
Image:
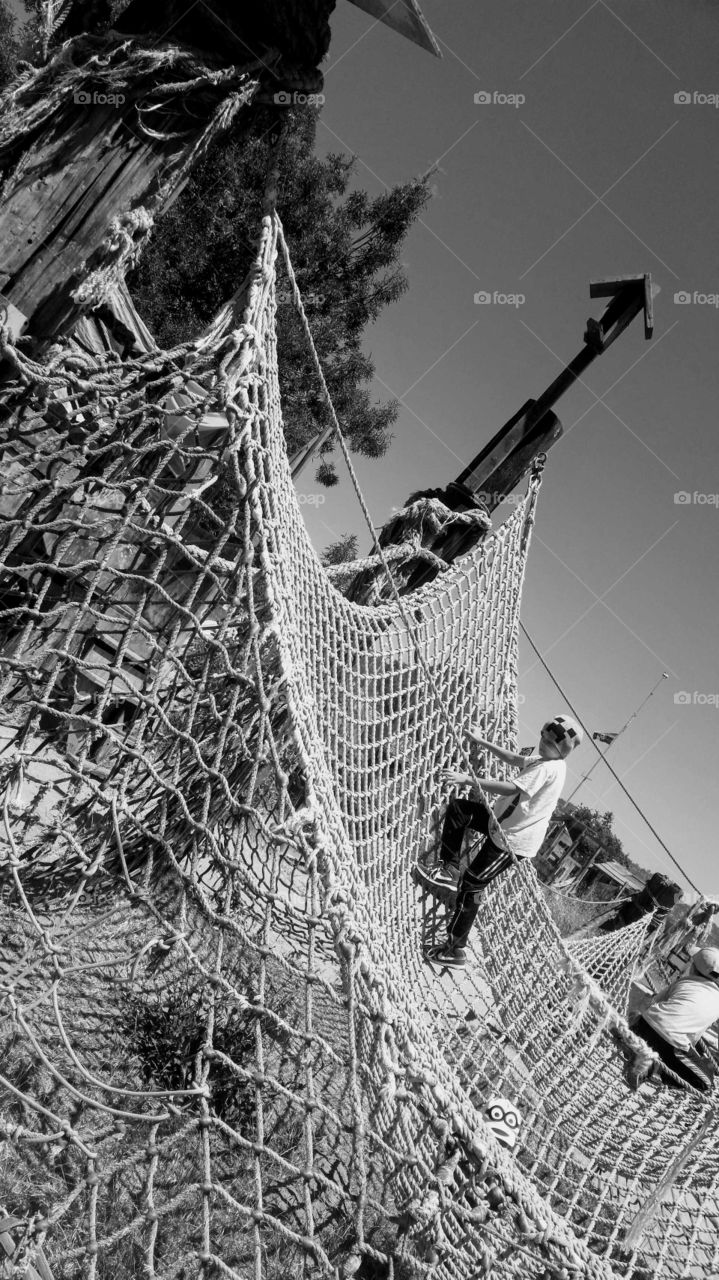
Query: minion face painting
[504, 1120]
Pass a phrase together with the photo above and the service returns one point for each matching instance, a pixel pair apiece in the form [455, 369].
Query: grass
[150, 1035]
[570, 914]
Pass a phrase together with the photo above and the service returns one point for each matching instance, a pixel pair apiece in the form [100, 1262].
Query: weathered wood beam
[504, 462]
[85, 188]
[507, 458]
[95, 143]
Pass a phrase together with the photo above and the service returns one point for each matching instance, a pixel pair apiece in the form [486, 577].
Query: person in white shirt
[677, 1018]
[523, 813]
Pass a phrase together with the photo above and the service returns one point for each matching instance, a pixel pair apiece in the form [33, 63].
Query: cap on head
[564, 732]
[504, 1120]
[706, 961]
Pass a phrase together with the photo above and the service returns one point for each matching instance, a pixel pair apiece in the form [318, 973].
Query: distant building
[561, 862]
[611, 880]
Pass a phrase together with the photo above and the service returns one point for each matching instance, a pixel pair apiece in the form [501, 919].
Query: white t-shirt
[540, 783]
[684, 1011]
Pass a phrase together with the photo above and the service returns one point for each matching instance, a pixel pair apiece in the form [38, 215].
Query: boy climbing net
[523, 813]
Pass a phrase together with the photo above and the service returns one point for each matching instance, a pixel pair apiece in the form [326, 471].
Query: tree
[595, 829]
[597, 836]
[342, 551]
[9, 49]
[345, 247]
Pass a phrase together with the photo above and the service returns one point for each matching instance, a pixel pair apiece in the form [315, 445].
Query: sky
[591, 168]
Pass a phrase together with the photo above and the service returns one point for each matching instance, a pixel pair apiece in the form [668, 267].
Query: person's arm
[507, 757]
[492, 786]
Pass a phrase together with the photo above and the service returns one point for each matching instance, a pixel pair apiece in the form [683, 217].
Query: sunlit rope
[535, 482]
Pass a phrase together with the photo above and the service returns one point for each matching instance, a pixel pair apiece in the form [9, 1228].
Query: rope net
[613, 961]
[221, 1051]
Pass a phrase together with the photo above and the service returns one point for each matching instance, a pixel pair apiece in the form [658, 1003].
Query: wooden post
[95, 143]
[502, 464]
[93, 180]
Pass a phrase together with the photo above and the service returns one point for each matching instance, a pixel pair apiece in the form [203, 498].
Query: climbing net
[221, 1050]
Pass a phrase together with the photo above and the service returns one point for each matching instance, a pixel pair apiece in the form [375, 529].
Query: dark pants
[687, 1063]
[488, 862]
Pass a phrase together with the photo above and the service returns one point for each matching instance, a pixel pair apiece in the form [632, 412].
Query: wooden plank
[648, 306]
[57, 210]
[99, 333]
[607, 286]
[611, 286]
[500, 466]
[86, 167]
[496, 450]
[405, 17]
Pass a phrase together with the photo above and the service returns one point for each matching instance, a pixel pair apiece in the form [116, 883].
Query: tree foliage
[9, 48]
[341, 551]
[345, 246]
[596, 829]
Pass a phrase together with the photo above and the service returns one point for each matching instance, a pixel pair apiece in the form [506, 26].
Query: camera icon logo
[483, 97]
[482, 298]
[682, 699]
[82, 98]
[682, 297]
[682, 498]
[682, 98]
[283, 99]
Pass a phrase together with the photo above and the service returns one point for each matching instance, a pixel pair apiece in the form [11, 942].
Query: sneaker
[444, 876]
[446, 954]
[638, 1073]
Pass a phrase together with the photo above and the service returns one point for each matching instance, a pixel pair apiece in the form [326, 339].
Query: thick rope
[222, 1047]
[495, 830]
